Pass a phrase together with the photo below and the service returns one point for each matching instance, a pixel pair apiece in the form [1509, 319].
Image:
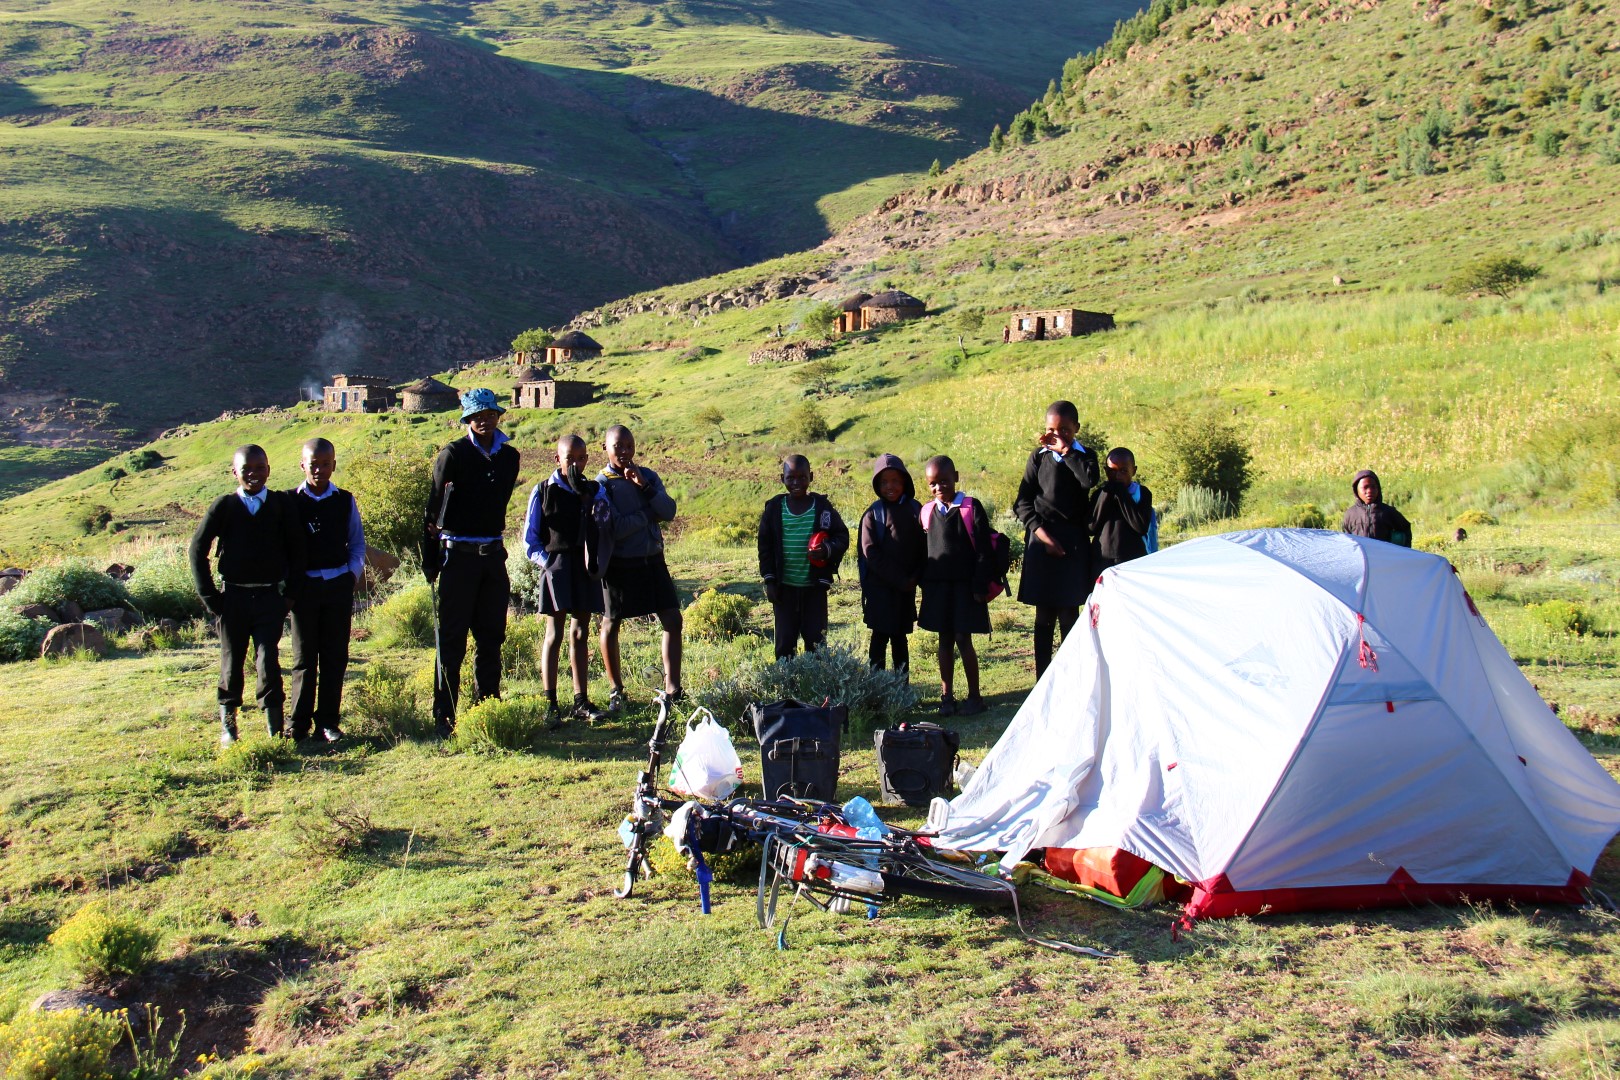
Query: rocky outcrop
[69, 638]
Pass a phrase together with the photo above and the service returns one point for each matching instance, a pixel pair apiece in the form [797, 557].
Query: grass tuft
[1396, 1003]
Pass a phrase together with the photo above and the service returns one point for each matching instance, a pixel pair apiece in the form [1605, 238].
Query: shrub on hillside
[101, 945]
[161, 585]
[520, 649]
[1562, 617]
[404, 620]
[74, 580]
[392, 488]
[1470, 518]
[806, 424]
[1195, 506]
[501, 724]
[820, 320]
[720, 536]
[142, 460]
[523, 574]
[1302, 516]
[1206, 452]
[532, 341]
[20, 637]
[69, 1044]
[1499, 275]
[716, 615]
[833, 673]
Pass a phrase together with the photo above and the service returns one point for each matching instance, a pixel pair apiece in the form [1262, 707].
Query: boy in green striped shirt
[801, 542]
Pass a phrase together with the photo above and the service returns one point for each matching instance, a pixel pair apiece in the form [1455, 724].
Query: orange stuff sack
[1109, 869]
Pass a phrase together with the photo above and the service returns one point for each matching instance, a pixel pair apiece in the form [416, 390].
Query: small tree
[711, 416]
[1499, 275]
[817, 375]
[970, 320]
[1206, 452]
[392, 489]
[532, 341]
[820, 319]
[806, 424]
[997, 140]
[935, 169]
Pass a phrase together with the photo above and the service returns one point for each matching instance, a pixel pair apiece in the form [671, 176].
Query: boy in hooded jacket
[1371, 517]
[892, 550]
[802, 539]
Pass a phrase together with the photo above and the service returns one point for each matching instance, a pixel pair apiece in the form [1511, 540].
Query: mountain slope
[206, 209]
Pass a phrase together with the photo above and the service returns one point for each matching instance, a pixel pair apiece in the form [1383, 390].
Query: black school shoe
[973, 706]
[584, 710]
[947, 705]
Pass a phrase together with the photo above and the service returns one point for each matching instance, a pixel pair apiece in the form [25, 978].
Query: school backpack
[1000, 547]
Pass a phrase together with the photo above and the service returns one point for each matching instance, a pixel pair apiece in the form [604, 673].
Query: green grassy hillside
[208, 211]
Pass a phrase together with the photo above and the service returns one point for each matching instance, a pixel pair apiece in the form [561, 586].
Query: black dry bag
[798, 747]
[915, 762]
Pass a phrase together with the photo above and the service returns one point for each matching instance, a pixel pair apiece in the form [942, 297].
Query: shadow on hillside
[15, 99]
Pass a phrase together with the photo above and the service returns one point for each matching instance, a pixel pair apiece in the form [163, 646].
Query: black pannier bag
[915, 762]
[798, 747]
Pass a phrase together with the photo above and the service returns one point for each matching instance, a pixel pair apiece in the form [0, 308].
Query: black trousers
[473, 594]
[320, 644]
[256, 616]
[801, 612]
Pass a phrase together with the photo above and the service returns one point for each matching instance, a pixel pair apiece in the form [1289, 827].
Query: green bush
[71, 1044]
[20, 638]
[1196, 506]
[1562, 617]
[520, 651]
[1206, 452]
[532, 341]
[1302, 516]
[100, 945]
[392, 489]
[1470, 518]
[820, 320]
[162, 588]
[74, 580]
[720, 536]
[501, 724]
[257, 756]
[833, 672]
[524, 577]
[384, 703]
[1499, 275]
[716, 615]
[142, 460]
[404, 620]
[805, 424]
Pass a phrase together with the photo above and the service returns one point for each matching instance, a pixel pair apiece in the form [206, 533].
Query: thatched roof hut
[889, 307]
[428, 395]
[573, 345]
[855, 302]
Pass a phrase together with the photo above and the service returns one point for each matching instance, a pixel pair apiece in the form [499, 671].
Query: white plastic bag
[706, 765]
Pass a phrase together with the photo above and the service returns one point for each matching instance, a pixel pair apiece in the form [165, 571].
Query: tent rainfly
[1287, 720]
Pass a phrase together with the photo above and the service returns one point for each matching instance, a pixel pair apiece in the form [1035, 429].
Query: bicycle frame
[646, 818]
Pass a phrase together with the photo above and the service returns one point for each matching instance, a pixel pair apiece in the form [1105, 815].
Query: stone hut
[849, 313]
[1041, 324]
[358, 394]
[551, 394]
[890, 307]
[428, 395]
[573, 346]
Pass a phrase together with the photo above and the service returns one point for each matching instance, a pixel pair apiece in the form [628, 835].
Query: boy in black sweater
[261, 561]
[801, 542]
[1121, 515]
[335, 544]
[467, 555]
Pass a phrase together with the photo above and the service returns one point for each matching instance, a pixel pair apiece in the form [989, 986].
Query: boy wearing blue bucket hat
[462, 548]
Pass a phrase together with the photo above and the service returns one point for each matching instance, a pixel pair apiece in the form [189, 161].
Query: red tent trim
[1216, 899]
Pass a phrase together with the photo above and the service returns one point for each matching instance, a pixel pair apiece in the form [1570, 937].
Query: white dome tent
[1295, 719]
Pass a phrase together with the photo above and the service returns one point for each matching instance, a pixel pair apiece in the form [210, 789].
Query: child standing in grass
[335, 542]
[554, 539]
[955, 581]
[892, 550]
[1373, 518]
[261, 560]
[802, 539]
[1121, 515]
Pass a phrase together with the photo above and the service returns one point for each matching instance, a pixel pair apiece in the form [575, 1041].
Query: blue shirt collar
[251, 500]
[561, 478]
[1076, 446]
[499, 441]
[331, 490]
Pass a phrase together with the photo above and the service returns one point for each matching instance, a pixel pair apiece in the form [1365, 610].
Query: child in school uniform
[892, 551]
[1122, 514]
[335, 543]
[802, 539]
[554, 540]
[261, 560]
[955, 582]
